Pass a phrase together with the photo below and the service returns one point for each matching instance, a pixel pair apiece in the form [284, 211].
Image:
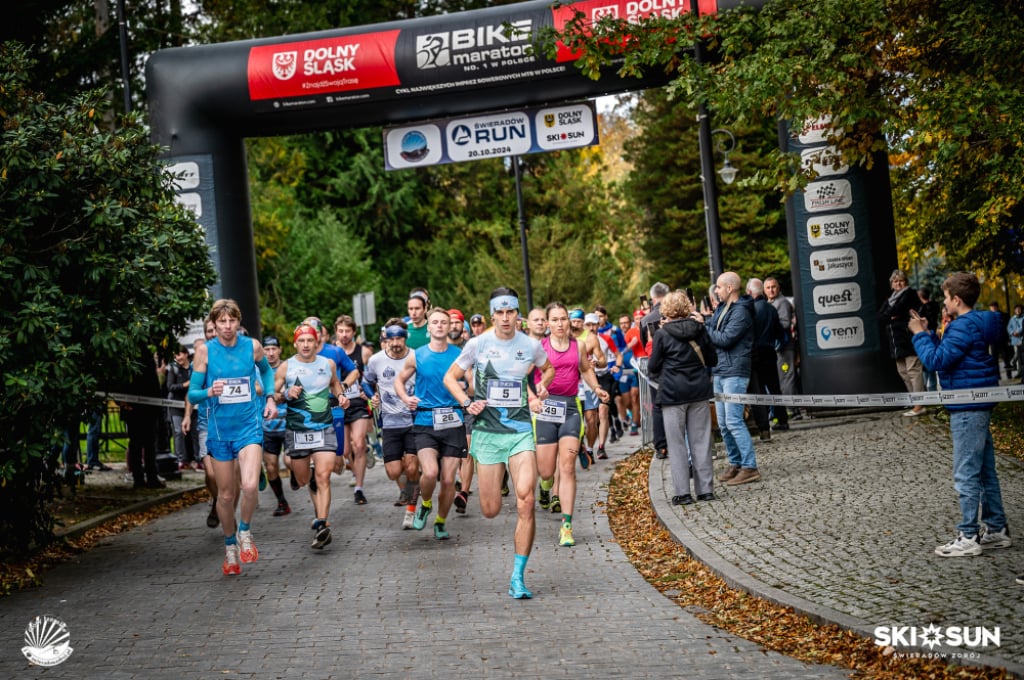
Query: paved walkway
[844, 524]
[378, 602]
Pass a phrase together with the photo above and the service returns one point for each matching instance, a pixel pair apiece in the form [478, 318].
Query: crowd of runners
[515, 402]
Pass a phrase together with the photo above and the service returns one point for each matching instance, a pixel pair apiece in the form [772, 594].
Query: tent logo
[284, 64]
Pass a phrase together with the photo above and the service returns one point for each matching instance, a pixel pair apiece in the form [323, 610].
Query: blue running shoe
[584, 458]
[420, 520]
[517, 589]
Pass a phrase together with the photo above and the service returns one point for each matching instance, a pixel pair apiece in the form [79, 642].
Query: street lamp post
[517, 167]
[707, 179]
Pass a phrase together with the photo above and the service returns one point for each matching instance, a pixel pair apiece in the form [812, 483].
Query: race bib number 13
[309, 440]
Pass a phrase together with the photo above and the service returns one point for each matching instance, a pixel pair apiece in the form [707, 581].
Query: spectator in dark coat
[894, 315]
[141, 421]
[680, 360]
[648, 325]
[764, 373]
[731, 329]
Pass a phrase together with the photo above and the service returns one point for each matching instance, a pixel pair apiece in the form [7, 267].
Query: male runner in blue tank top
[438, 424]
[223, 376]
[503, 428]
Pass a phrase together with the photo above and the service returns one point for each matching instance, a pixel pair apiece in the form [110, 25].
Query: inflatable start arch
[205, 100]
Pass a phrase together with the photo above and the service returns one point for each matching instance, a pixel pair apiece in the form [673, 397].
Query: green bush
[96, 262]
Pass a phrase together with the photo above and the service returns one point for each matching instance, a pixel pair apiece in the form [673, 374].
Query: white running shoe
[407, 521]
[247, 547]
[961, 546]
[994, 539]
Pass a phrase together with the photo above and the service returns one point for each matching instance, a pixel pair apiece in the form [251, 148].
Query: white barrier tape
[136, 399]
[941, 398]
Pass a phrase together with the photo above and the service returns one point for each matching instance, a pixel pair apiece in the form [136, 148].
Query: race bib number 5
[236, 391]
[504, 393]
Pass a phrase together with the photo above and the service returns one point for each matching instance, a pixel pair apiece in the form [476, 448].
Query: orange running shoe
[247, 548]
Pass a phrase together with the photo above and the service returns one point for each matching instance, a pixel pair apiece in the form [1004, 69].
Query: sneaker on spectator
[745, 476]
[961, 546]
[994, 539]
[730, 472]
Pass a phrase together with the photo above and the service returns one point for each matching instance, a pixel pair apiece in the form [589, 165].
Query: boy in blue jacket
[962, 362]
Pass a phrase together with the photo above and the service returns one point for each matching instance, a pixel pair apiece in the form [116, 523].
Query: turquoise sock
[243, 526]
[520, 566]
[230, 540]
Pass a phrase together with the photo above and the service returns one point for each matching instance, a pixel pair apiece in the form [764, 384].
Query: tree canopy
[939, 83]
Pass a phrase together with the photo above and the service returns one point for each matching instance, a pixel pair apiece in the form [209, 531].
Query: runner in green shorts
[503, 427]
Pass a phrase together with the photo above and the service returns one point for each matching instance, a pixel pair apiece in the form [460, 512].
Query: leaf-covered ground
[14, 576]
[691, 585]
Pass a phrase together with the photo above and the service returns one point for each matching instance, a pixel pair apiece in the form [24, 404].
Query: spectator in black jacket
[894, 316]
[648, 325]
[141, 421]
[681, 356]
[764, 373]
[177, 388]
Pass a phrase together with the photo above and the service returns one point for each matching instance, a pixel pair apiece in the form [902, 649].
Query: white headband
[504, 302]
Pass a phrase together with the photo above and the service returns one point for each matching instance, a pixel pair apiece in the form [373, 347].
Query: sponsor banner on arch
[836, 283]
[509, 133]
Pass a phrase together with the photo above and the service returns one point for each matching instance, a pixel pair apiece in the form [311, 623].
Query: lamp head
[728, 172]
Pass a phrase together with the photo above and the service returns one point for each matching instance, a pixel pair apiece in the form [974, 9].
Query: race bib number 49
[552, 411]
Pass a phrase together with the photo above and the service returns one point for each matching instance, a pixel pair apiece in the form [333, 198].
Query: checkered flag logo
[826, 191]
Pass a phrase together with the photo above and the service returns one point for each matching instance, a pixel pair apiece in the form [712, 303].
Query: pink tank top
[567, 368]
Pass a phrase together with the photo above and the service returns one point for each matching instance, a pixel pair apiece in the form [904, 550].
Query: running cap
[395, 331]
[457, 314]
[476, 318]
[576, 314]
[591, 318]
[271, 341]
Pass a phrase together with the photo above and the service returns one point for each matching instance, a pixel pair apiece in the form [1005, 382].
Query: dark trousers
[142, 423]
[764, 377]
[658, 421]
